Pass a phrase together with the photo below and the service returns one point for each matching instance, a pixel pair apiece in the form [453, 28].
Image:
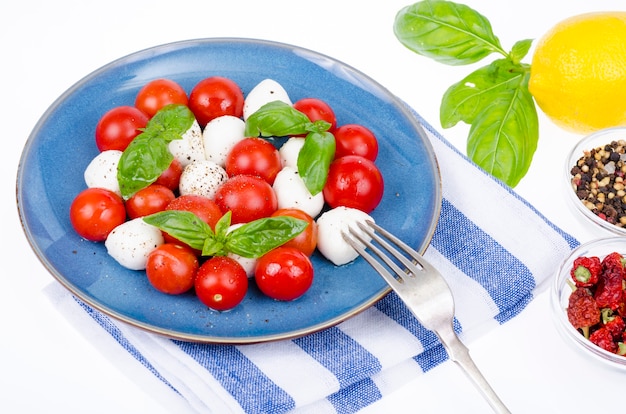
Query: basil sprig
[148, 155]
[278, 119]
[251, 240]
[493, 99]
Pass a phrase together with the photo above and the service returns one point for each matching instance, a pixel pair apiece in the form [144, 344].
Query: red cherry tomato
[149, 200]
[215, 96]
[354, 139]
[118, 127]
[247, 197]
[306, 241]
[170, 178]
[171, 268]
[159, 93]
[354, 181]
[284, 273]
[316, 109]
[95, 212]
[203, 207]
[221, 283]
[254, 156]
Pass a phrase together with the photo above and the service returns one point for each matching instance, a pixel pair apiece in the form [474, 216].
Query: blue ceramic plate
[62, 144]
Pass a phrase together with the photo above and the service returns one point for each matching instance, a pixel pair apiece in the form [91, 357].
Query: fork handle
[459, 353]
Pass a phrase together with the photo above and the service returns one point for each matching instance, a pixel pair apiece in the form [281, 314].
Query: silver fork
[425, 292]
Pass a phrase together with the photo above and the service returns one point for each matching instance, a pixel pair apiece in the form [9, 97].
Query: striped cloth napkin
[482, 247]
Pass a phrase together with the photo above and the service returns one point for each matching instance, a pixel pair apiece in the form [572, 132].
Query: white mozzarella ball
[102, 171]
[220, 136]
[266, 91]
[131, 242]
[247, 263]
[190, 148]
[291, 192]
[289, 152]
[202, 178]
[330, 242]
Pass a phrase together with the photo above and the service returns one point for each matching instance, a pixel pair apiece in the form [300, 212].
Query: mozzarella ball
[190, 148]
[291, 192]
[131, 242]
[102, 171]
[264, 92]
[202, 177]
[220, 136]
[289, 152]
[247, 263]
[330, 241]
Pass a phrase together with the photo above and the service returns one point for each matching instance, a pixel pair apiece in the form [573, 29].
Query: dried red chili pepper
[586, 271]
[614, 324]
[582, 310]
[609, 291]
[602, 337]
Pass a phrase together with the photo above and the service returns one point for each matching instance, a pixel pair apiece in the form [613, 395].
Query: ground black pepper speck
[598, 180]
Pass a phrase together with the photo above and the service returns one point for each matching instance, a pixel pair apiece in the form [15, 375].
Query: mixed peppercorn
[597, 306]
[598, 180]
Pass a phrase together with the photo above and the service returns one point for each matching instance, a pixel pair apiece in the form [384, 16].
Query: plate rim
[191, 337]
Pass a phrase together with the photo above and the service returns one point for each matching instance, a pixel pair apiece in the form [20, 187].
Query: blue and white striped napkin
[495, 250]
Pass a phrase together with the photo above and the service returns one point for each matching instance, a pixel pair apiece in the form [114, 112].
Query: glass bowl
[588, 143]
[561, 290]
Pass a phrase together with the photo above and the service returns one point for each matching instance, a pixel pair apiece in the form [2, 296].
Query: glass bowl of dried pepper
[588, 297]
[595, 171]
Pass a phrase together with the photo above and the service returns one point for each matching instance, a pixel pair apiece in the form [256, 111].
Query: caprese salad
[206, 190]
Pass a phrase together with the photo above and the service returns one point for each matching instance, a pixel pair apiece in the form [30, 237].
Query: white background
[47, 366]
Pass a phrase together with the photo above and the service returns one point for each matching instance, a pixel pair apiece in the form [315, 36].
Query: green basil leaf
[520, 50]
[314, 159]
[141, 163]
[464, 100]
[276, 119]
[503, 137]
[258, 237]
[450, 33]
[182, 225]
[171, 122]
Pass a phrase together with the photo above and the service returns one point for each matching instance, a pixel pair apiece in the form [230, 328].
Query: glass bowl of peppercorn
[588, 298]
[596, 173]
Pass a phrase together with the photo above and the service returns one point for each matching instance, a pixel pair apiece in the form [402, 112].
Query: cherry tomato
[221, 283]
[95, 212]
[149, 200]
[171, 268]
[215, 96]
[316, 109]
[254, 156]
[354, 181]
[247, 197]
[306, 241]
[118, 127]
[354, 139]
[170, 178]
[284, 273]
[203, 207]
[159, 93]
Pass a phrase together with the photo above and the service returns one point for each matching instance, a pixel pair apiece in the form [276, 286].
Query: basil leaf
[464, 100]
[182, 225]
[276, 119]
[171, 122]
[141, 163]
[503, 137]
[520, 50]
[450, 33]
[314, 160]
[258, 237]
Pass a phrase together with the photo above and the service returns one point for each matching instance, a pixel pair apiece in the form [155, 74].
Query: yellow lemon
[578, 72]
